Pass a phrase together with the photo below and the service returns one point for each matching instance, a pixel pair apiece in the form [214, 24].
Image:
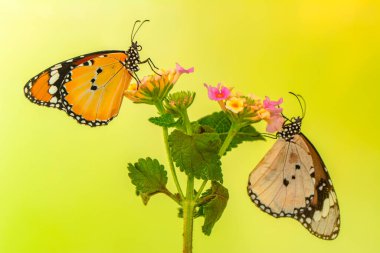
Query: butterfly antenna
[303, 107]
[146, 20]
[287, 119]
[133, 29]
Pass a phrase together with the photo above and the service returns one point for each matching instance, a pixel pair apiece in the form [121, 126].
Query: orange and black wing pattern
[88, 88]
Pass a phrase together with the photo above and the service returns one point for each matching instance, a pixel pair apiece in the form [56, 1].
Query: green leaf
[213, 210]
[220, 122]
[197, 155]
[149, 177]
[247, 133]
[165, 120]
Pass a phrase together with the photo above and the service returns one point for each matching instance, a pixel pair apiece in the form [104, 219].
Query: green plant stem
[188, 203]
[187, 123]
[171, 195]
[171, 164]
[165, 133]
[188, 216]
[200, 190]
[234, 129]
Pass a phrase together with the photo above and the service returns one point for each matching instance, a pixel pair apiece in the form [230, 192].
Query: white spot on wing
[58, 66]
[331, 200]
[53, 100]
[326, 207]
[317, 215]
[53, 89]
[53, 78]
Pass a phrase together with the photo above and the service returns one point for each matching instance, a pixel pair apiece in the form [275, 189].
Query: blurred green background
[64, 187]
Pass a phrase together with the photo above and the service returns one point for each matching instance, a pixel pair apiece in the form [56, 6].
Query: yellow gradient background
[64, 187]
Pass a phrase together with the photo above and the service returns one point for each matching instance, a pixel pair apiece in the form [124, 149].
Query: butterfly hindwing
[323, 212]
[88, 87]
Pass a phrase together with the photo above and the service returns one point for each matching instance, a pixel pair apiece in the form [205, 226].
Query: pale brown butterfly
[292, 181]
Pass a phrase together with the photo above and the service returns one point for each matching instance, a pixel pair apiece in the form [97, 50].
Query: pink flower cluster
[248, 108]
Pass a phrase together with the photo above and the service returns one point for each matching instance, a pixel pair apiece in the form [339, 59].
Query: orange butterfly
[89, 87]
[292, 181]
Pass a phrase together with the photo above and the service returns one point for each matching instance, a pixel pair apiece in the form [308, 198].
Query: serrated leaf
[247, 133]
[197, 155]
[149, 177]
[220, 122]
[165, 120]
[213, 210]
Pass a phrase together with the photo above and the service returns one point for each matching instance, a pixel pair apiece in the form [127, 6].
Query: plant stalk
[231, 134]
[188, 216]
[188, 203]
[171, 164]
[165, 133]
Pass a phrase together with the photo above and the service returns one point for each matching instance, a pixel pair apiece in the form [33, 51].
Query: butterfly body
[292, 181]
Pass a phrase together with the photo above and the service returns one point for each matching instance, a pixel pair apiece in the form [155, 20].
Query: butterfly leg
[151, 65]
[135, 76]
[267, 135]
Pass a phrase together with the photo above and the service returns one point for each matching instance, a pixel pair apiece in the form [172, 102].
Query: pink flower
[275, 119]
[274, 123]
[182, 70]
[218, 93]
[272, 106]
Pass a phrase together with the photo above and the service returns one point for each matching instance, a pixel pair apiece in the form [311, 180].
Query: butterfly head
[290, 129]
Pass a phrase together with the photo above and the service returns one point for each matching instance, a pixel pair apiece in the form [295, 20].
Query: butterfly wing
[285, 184]
[323, 211]
[281, 184]
[89, 87]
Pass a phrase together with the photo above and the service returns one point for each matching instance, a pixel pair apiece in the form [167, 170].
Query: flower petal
[218, 93]
[275, 124]
[182, 70]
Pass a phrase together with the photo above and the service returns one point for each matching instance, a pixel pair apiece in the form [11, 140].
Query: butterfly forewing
[88, 87]
[93, 91]
[292, 181]
[43, 89]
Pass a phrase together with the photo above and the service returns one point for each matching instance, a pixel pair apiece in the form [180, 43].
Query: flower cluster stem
[234, 129]
[170, 160]
[165, 133]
